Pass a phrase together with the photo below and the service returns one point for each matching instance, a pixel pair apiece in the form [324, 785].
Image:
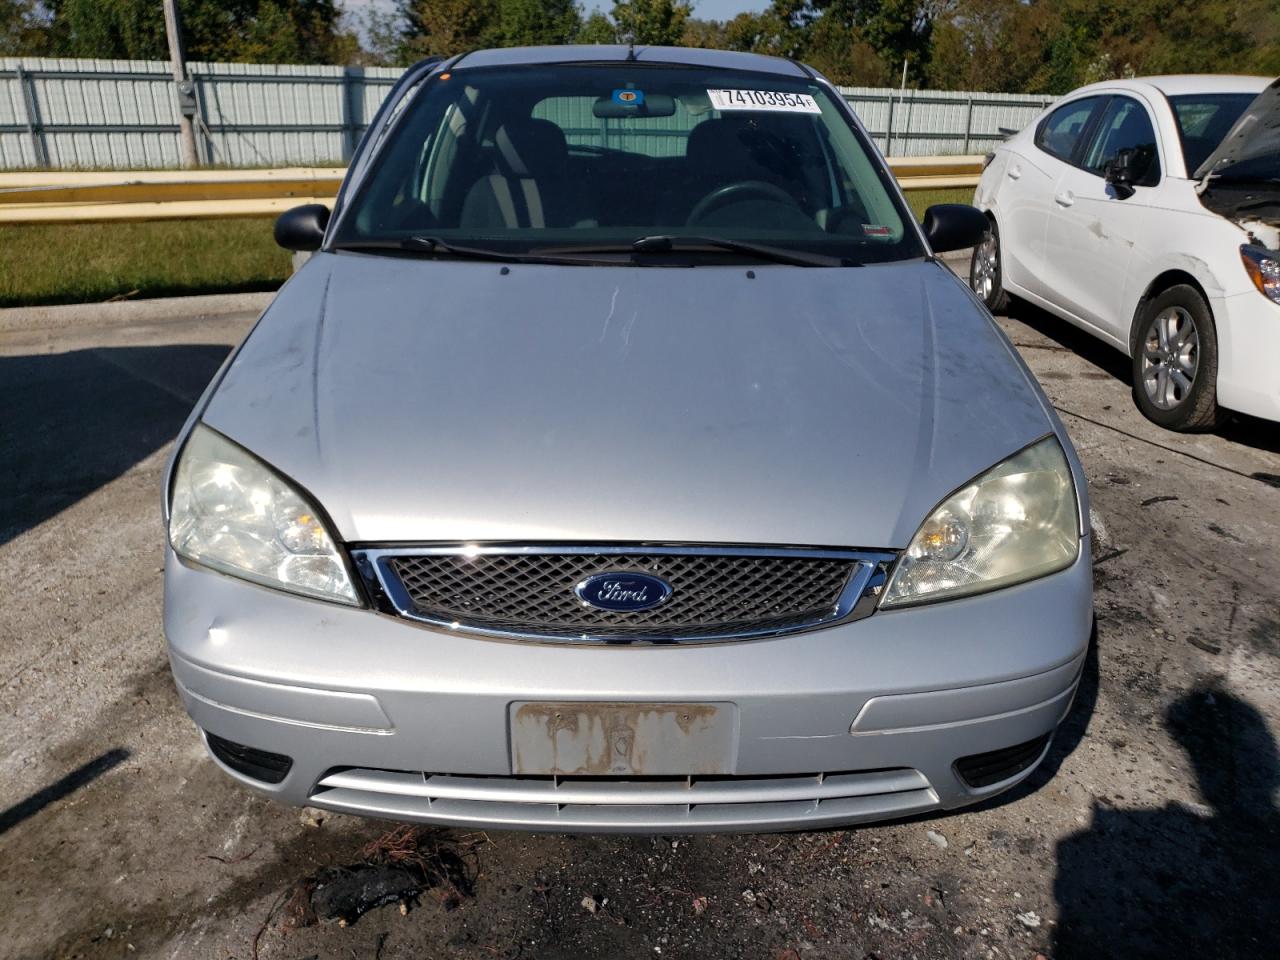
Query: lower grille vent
[638, 803]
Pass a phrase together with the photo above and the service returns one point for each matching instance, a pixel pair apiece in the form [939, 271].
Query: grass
[92, 262]
[921, 199]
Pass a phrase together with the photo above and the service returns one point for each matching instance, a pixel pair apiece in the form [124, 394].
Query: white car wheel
[985, 274]
[1175, 361]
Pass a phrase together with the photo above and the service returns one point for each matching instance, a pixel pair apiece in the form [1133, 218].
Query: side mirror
[954, 226]
[302, 228]
[1122, 173]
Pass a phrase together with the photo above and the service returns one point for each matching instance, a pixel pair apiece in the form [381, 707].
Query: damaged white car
[1146, 212]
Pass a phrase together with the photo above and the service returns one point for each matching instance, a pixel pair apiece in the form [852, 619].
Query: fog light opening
[984, 769]
[250, 761]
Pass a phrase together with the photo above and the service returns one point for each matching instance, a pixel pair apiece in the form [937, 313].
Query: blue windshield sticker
[628, 98]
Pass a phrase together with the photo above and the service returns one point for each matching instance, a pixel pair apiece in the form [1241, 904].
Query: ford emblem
[623, 592]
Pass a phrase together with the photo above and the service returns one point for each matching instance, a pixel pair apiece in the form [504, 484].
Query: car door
[1093, 226]
[1026, 194]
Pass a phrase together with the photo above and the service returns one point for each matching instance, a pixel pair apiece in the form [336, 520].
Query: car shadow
[72, 422]
[1182, 880]
[1256, 433]
[1106, 358]
[1239, 428]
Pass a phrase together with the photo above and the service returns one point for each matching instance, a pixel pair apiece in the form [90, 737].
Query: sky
[705, 9]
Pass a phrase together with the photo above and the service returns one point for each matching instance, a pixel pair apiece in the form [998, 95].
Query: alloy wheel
[1170, 357]
[986, 263]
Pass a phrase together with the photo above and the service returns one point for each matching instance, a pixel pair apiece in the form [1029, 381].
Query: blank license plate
[613, 739]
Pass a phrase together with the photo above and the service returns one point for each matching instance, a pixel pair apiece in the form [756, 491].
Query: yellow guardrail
[161, 194]
[206, 194]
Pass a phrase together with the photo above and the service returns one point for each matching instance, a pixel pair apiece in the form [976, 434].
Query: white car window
[1125, 125]
[1204, 119]
[1060, 133]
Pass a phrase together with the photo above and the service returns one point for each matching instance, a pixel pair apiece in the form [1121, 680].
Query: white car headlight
[1263, 269]
[233, 513]
[1018, 521]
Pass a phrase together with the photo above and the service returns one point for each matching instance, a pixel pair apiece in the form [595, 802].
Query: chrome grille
[716, 593]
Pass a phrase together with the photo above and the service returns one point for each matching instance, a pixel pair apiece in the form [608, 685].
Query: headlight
[233, 513]
[1263, 270]
[1018, 521]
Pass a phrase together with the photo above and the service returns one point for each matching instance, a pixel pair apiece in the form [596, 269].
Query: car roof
[1179, 84]
[1175, 85]
[621, 53]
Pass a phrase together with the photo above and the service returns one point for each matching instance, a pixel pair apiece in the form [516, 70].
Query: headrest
[718, 141]
[530, 147]
[743, 147]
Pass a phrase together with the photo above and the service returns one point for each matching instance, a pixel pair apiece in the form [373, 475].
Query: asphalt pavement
[1151, 830]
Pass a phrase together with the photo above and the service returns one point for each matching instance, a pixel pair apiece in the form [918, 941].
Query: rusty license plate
[620, 739]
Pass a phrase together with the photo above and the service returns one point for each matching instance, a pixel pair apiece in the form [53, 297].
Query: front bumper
[1248, 326]
[851, 723]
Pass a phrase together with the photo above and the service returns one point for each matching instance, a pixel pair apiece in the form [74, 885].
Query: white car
[1145, 211]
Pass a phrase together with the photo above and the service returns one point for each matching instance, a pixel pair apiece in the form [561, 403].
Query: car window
[1060, 132]
[647, 136]
[1204, 119]
[1125, 125]
[525, 158]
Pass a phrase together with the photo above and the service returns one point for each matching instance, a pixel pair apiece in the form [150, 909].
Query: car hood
[434, 400]
[1254, 135]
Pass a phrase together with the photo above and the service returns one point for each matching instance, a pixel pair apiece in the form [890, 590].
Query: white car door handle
[1014, 172]
[1064, 199]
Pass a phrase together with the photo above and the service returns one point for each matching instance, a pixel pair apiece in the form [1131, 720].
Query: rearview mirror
[954, 226]
[302, 228]
[633, 103]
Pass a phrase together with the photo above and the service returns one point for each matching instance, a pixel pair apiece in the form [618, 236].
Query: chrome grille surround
[526, 592]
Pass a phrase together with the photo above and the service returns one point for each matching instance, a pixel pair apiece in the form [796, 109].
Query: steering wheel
[732, 193]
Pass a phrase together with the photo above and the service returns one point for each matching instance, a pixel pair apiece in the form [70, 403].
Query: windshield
[1203, 120]
[596, 157]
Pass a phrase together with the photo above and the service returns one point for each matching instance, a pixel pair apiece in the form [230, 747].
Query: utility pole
[186, 89]
[902, 95]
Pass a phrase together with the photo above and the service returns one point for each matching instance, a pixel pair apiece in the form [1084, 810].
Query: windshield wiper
[434, 246]
[424, 245]
[666, 243]
[670, 243]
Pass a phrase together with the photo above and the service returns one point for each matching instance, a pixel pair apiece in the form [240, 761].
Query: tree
[528, 23]
[446, 27]
[384, 36]
[1032, 46]
[776, 31]
[598, 28]
[987, 45]
[256, 31]
[651, 22]
[706, 34]
[263, 31]
[866, 41]
[844, 55]
[23, 28]
[115, 29]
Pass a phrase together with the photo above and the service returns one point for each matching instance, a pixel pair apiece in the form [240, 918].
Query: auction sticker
[763, 100]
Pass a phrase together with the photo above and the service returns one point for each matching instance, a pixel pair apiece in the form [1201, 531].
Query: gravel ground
[1151, 830]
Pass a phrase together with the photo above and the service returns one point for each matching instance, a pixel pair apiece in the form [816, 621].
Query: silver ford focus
[623, 459]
